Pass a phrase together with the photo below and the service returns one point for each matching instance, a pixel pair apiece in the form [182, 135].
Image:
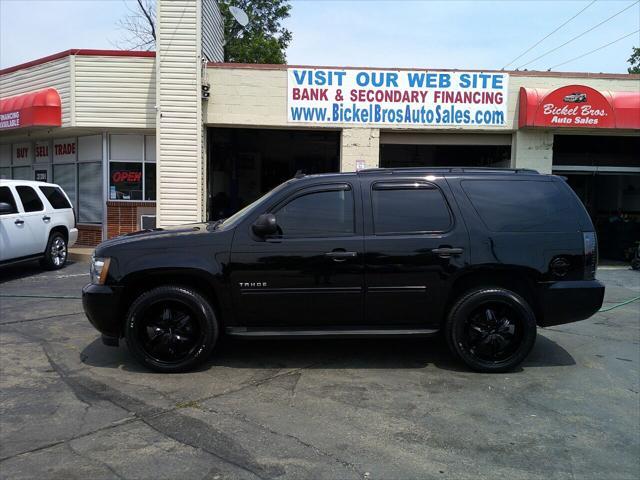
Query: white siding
[180, 179]
[212, 32]
[115, 91]
[56, 74]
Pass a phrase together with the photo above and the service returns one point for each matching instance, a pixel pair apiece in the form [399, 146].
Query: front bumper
[566, 302]
[101, 304]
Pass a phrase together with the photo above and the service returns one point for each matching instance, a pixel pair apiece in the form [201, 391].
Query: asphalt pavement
[71, 407]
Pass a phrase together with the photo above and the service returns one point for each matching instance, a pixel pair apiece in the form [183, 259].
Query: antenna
[240, 15]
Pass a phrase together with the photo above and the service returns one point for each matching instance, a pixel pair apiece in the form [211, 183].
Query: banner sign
[574, 106]
[397, 97]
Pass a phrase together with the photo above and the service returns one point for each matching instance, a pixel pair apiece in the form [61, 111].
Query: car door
[36, 219]
[415, 243]
[15, 235]
[311, 272]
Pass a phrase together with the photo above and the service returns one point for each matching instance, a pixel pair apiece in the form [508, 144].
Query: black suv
[482, 256]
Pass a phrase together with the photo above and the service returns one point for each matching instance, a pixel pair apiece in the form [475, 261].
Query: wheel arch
[518, 279]
[198, 280]
[60, 229]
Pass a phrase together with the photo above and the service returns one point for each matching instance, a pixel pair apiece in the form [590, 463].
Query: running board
[257, 332]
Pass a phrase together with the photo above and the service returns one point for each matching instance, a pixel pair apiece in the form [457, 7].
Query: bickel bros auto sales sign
[397, 97]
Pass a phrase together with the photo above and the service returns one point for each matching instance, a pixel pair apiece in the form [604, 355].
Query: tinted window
[55, 197]
[409, 209]
[318, 214]
[29, 198]
[521, 205]
[7, 197]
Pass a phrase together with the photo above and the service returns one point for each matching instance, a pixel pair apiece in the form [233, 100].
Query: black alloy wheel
[171, 329]
[493, 332]
[491, 329]
[168, 331]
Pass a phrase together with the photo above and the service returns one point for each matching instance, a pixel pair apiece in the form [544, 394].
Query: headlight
[99, 269]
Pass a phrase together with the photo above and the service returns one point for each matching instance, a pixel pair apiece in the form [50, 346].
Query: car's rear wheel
[171, 329]
[491, 329]
[55, 255]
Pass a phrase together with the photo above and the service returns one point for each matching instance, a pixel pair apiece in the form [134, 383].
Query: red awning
[578, 106]
[34, 109]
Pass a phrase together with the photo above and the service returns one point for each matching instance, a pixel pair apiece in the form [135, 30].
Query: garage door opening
[246, 163]
[395, 156]
[604, 171]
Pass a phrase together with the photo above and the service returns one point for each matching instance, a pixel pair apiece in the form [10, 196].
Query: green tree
[264, 39]
[634, 60]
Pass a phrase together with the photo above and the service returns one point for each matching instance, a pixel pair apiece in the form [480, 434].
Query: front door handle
[46, 218]
[340, 255]
[19, 222]
[446, 252]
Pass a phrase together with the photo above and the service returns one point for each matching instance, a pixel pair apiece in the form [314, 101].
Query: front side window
[413, 208]
[55, 197]
[325, 213]
[29, 198]
[7, 197]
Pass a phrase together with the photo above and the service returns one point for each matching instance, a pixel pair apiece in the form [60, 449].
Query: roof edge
[78, 51]
[515, 73]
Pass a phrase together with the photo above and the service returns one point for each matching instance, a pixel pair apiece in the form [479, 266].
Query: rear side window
[411, 208]
[29, 198]
[7, 197]
[521, 205]
[55, 197]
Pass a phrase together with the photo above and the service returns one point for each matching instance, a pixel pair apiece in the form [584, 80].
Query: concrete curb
[80, 254]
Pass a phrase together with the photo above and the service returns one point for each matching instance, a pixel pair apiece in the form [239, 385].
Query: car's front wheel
[171, 329]
[55, 255]
[491, 329]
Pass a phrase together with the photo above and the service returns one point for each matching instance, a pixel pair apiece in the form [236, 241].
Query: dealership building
[143, 139]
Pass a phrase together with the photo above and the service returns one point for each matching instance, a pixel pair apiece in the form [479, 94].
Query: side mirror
[265, 225]
[6, 208]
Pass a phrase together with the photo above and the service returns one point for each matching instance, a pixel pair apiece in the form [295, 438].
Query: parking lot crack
[197, 434]
[93, 460]
[318, 451]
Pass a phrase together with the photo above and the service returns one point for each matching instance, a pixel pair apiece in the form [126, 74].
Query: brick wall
[89, 235]
[124, 217]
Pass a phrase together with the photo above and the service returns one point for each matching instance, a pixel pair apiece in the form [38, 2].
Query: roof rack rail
[448, 170]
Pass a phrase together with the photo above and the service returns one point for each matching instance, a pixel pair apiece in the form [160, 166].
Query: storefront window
[90, 192]
[65, 176]
[150, 181]
[132, 169]
[125, 181]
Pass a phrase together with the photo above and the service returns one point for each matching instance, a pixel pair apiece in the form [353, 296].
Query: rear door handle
[445, 252]
[340, 255]
[46, 218]
[19, 222]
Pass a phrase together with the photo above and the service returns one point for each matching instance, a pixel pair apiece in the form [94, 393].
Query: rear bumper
[101, 304]
[566, 302]
[73, 237]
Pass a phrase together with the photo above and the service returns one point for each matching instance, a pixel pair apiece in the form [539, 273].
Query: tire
[491, 342]
[56, 252]
[171, 329]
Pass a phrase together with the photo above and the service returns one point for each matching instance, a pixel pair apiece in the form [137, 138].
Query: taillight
[590, 255]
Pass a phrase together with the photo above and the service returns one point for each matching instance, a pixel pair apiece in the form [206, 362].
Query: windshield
[234, 219]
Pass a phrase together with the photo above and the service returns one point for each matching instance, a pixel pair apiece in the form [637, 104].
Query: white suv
[36, 221]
